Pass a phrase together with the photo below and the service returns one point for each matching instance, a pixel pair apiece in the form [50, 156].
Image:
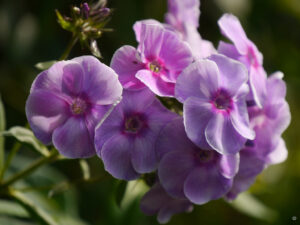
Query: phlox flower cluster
[233, 115]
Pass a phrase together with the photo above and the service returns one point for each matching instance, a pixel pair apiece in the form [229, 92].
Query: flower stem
[10, 156]
[41, 161]
[71, 44]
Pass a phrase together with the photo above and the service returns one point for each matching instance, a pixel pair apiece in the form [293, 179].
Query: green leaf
[251, 206]
[2, 128]
[45, 65]
[134, 190]
[36, 212]
[12, 209]
[13, 221]
[120, 192]
[63, 207]
[66, 25]
[26, 136]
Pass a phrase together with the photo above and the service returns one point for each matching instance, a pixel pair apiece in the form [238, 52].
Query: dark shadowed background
[29, 34]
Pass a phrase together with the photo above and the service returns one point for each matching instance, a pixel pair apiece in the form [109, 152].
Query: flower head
[68, 100]
[246, 52]
[187, 171]
[159, 59]
[125, 141]
[213, 92]
[157, 201]
[87, 23]
[268, 147]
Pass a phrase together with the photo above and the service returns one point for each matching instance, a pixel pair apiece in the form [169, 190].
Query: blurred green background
[29, 34]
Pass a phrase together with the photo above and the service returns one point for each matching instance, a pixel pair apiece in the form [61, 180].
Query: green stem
[41, 161]
[71, 44]
[10, 156]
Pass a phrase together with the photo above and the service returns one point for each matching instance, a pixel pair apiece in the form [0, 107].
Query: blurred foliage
[29, 34]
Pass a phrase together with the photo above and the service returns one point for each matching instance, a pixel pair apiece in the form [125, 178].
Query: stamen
[78, 106]
[155, 67]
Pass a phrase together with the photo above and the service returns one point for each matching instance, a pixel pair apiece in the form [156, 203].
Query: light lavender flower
[68, 100]
[187, 171]
[213, 92]
[126, 140]
[268, 147]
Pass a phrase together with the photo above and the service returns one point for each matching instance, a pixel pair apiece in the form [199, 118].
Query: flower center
[222, 100]
[78, 106]
[133, 124]
[205, 156]
[155, 67]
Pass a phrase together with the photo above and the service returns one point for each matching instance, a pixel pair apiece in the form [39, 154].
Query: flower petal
[196, 116]
[250, 167]
[200, 79]
[45, 111]
[187, 11]
[137, 27]
[156, 84]
[151, 40]
[143, 155]
[279, 154]
[100, 82]
[233, 74]
[231, 27]
[276, 86]
[240, 120]
[126, 63]
[172, 207]
[73, 140]
[173, 170]
[156, 200]
[228, 50]
[109, 128]
[221, 135]
[258, 85]
[205, 184]
[229, 165]
[93, 118]
[116, 157]
[169, 140]
[153, 200]
[137, 101]
[52, 79]
[72, 79]
[175, 53]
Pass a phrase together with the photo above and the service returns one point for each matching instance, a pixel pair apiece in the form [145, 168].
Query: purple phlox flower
[246, 52]
[187, 171]
[213, 92]
[183, 17]
[68, 100]
[126, 140]
[157, 201]
[268, 147]
[160, 58]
